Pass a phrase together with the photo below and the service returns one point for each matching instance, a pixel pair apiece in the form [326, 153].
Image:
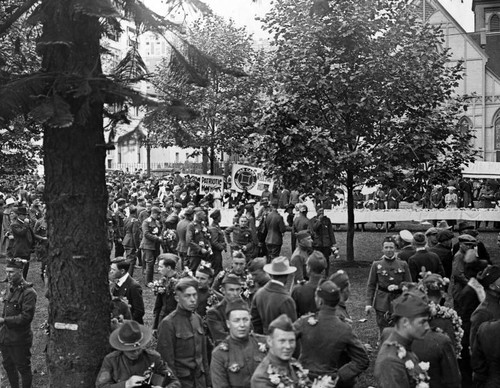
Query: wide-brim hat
[464, 226]
[130, 336]
[279, 266]
[10, 201]
[443, 225]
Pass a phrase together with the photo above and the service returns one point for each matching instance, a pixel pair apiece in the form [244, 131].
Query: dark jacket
[216, 322]
[424, 258]
[275, 226]
[181, 235]
[131, 290]
[151, 232]
[18, 311]
[197, 235]
[303, 295]
[182, 344]
[446, 256]
[165, 301]
[485, 358]
[269, 303]
[324, 338]
[22, 244]
[322, 232]
[132, 229]
[116, 369]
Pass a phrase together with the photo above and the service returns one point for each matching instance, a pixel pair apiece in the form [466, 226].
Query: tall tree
[67, 95]
[221, 101]
[360, 89]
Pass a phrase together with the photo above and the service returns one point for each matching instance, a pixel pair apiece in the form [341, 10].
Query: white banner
[250, 178]
[209, 183]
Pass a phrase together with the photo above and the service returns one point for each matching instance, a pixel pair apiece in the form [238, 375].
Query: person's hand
[134, 381]
[368, 310]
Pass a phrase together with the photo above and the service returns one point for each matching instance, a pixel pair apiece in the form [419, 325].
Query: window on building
[465, 125]
[495, 23]
[497, 132]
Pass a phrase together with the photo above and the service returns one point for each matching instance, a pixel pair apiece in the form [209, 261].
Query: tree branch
[16, 15]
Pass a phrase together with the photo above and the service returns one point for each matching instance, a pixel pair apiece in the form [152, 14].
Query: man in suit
[21, 237]
[123, 285]
[275, 226]
[273, 299]
[216, 316]
[423, 259]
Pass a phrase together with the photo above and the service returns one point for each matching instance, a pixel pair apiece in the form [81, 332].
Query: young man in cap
[325, 339]
[300, 255]
[459, 279]
[216, 316]
[244, 237]
[303, 294]
[181, 338]
[238, 268]
[21, 237]
[125, 286]
[217, 240]
[236, 358]
[273, 299]
[150, 244]
[431, 236]
[131, 364]
[384, 280]
[164, 289]
[405, 242]
[275, 226]
[198, 240]
[423, 259]
[396, 365]
[16, 337]
[207, 296]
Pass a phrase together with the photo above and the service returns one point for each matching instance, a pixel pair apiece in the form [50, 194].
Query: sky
[243, 11]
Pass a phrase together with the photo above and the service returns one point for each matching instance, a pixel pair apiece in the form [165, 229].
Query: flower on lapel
[234, 368]
[223, 346]
[312, 320]
[262, 347]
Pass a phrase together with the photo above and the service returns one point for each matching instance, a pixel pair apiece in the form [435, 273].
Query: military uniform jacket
[217, 238]
[165, 301]
[22, 243]
[116, 369]
[324, 337]
[197, 238]
[485, 358]
[132, 237]
[390, 370]
[488, 310]
[18, 311]
[275, 228]
[151, 232]
[303, 295]
[322, 232]
[182, 343]
[235, 360]
[245, 238]
[216, 322]
[269, 303]
[181, 235]
[424, 258]
[260, 378]
[301, 222]
[298, 260]
[383, 274]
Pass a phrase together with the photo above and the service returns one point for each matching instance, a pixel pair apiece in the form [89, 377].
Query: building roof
[492, 49]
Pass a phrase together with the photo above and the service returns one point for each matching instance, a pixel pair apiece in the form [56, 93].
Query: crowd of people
[266, 320]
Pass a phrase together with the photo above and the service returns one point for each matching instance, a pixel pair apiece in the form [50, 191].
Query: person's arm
[358, 357]
[414, 271]
[137, 303]
[256, 318]
[216, 326]
[190, 240]
[218, 371]
[478, 360]
[371, 285]
[450, 372]
[330, 232]
[105, 376]
[214, 239]
[136, 233]
[393, 374]
[407, 274]
[288, 307]
[166, 343]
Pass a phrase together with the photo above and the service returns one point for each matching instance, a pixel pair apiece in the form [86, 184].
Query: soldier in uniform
[181, 338]
[198, 240]
[217, 241]
[150, 244]
[384, 280]
[207, 296]
[181, 235]
[164, 289]
[132, 238]
[21, 237]
[237, 268]
[119, 217]
[244, 237]
[324, 338]
[300, 222]
[396, 365]
[131, 365]
[216, 316]
[235, 359]
[16, 337]
[300, 255]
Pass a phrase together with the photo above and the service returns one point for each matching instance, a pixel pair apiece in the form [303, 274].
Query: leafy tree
[361, 90]
[69, 95]
[216, 107]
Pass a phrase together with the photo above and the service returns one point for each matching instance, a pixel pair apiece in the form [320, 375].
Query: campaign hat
[279, 266]
[130, 335]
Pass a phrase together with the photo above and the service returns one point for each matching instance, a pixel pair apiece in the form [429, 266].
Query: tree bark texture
[350, 216]
[76, 198]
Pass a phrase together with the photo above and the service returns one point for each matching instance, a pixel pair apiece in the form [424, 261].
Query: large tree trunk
[350, 216]
[76, 197]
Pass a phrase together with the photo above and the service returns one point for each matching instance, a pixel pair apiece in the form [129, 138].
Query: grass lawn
[367, 249]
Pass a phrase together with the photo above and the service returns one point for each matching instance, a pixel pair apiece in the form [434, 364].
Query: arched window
[497, 132]
[495, 23]
[465, 125]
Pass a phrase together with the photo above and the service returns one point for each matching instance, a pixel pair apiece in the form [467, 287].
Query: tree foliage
[361, 90]
[216, 107]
